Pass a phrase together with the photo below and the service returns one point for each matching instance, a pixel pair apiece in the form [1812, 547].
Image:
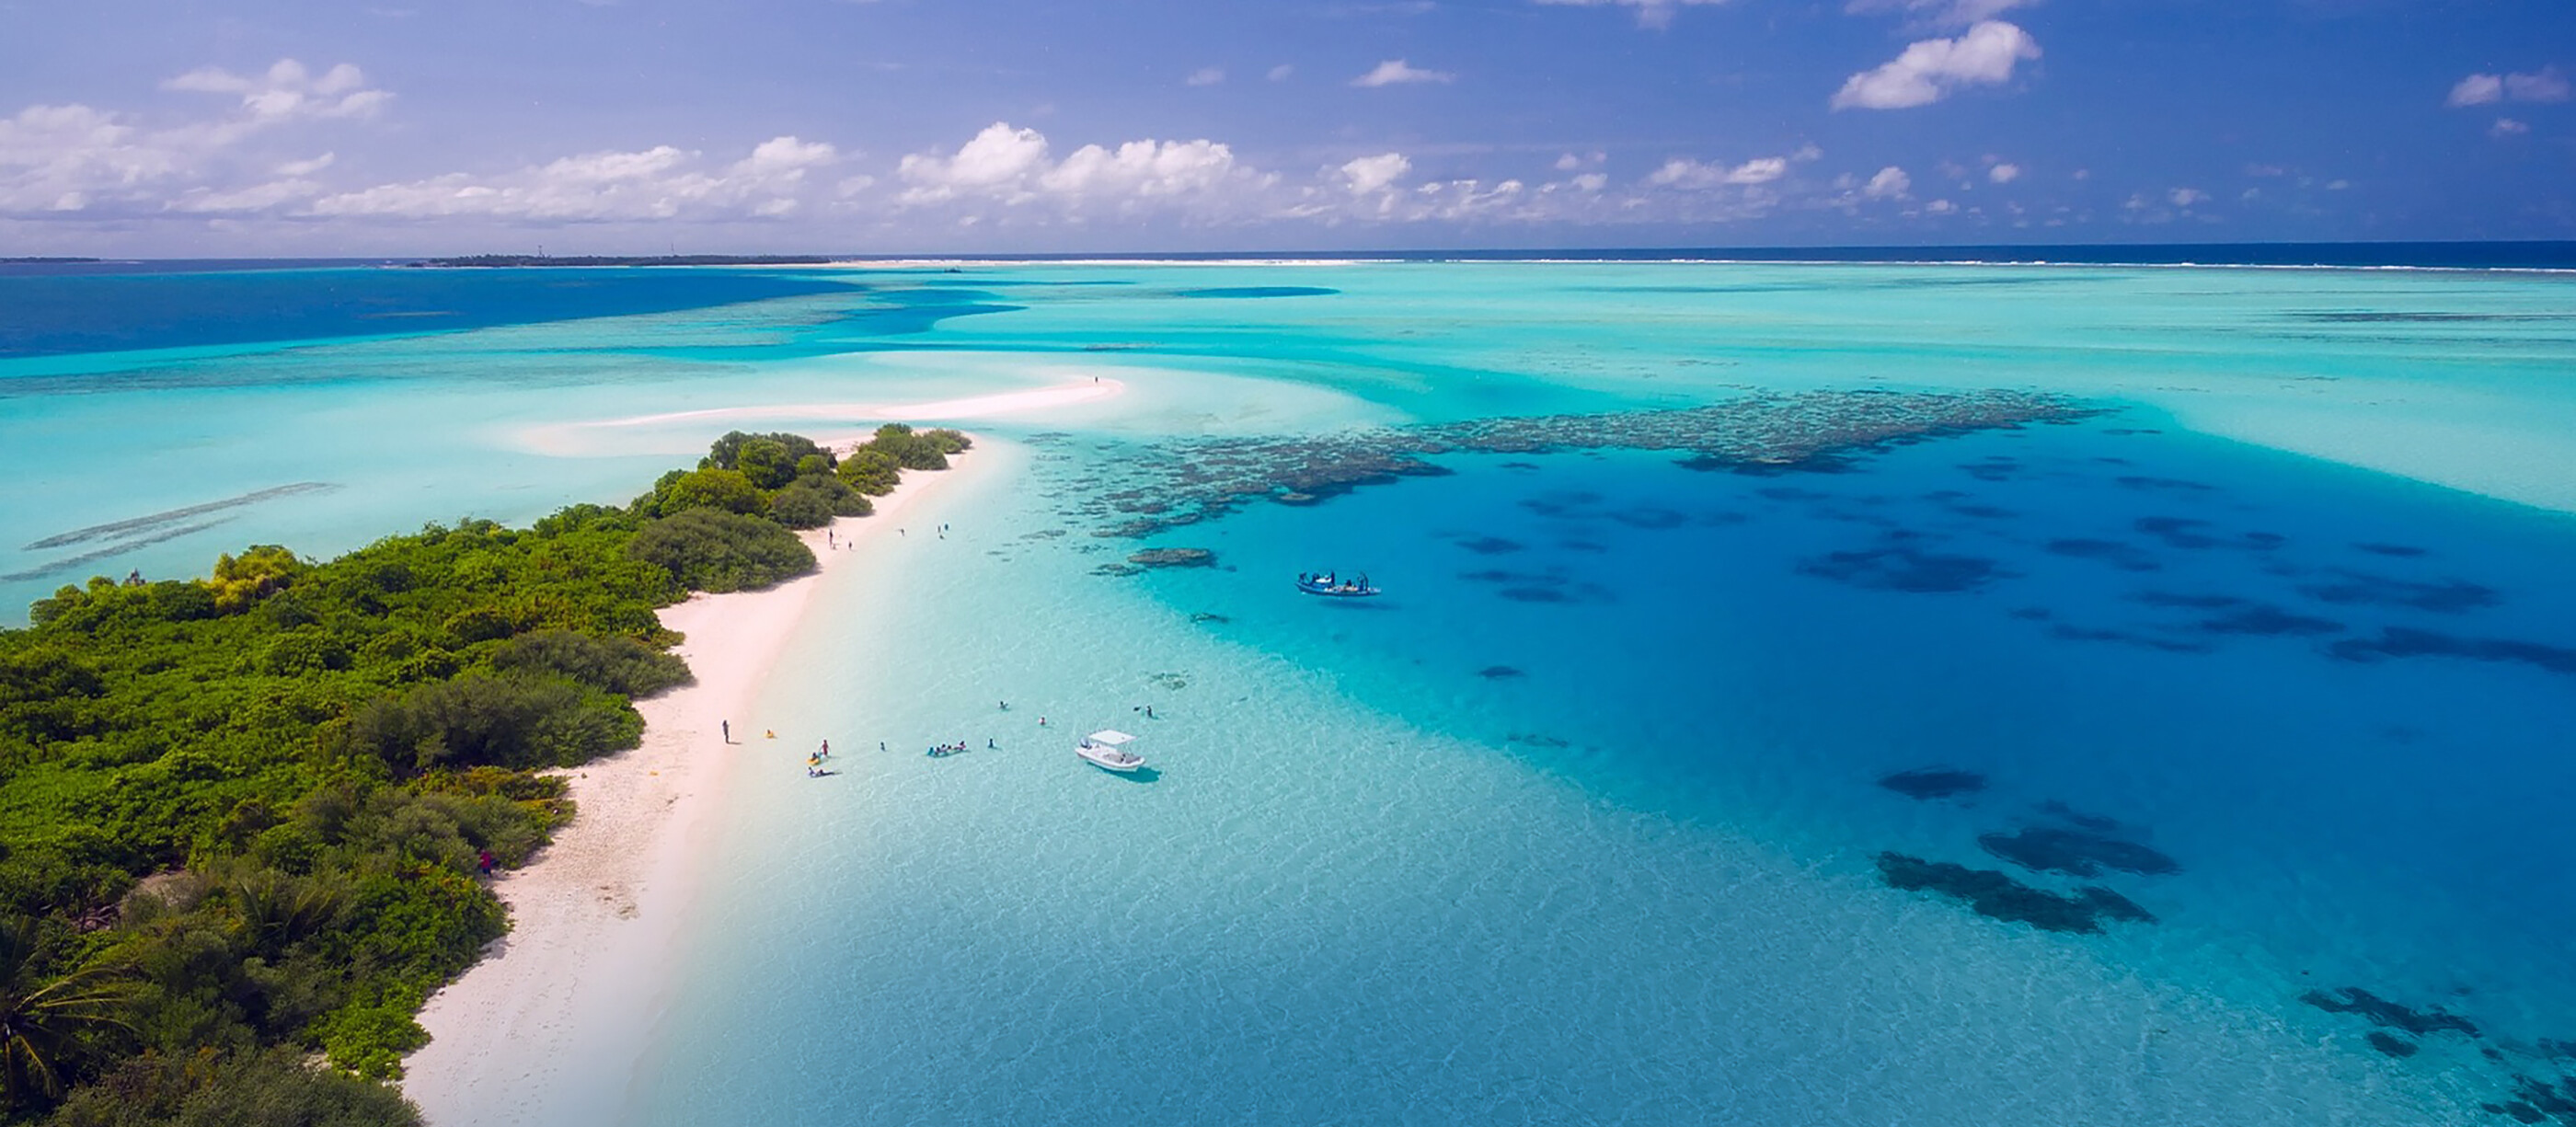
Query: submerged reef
[2382, 1012]
[2393, 1046]
[2539, 1100]
[2403, 641]
[2450, 596]
[1933, 782]
[1896, 565]
[1187, 481]
[2076, 852]
[1998, 896]
[1173, 557]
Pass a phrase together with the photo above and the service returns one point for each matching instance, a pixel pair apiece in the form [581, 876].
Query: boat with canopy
[1331, 586]
[1106, 749]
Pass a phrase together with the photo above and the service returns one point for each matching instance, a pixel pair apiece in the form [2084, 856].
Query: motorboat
[1106, 749]
[1331, 586]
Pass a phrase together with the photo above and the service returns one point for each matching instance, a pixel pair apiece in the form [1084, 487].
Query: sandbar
[586, 437]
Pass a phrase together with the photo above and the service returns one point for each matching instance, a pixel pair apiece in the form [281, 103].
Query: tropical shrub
[706, 550]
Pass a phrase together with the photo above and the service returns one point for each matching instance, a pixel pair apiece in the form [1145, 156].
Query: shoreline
[567, 439]
[546, 1027]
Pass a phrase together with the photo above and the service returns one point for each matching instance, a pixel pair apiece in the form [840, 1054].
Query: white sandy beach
[548, 1027]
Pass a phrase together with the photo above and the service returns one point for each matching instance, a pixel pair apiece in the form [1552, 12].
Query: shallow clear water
[1578, 823]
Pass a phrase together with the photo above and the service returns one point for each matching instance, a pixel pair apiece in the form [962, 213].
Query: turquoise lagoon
[1580, 823]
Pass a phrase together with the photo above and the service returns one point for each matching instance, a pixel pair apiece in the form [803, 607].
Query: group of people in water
[816, 764]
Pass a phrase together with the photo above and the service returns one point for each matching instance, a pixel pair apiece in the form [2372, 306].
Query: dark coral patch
[2402, 641]
[2126, 557]
[2541, 1099]
[2393, 1046]
[1900, 568]
[1499, 673]
[1933, 782]
[2178, 532]
[2076, 852]
[1559, 504]
[1491, 545]
[2098, 823]
[1997, 896]
[2382, 1012]
[2181, 599]
[1647, 516]
[1828, 461]
[2269, 620]
[1535, 595]
[2450, 596]
[1997, 468]
[2166, 484]
[2402, 550]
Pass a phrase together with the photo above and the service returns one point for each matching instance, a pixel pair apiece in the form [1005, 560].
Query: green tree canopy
[731, 491]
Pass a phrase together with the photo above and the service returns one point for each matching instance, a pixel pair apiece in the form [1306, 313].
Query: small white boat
[1105, 749]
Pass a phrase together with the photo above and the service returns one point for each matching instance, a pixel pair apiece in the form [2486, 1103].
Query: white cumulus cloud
[2547, 84]
[1281, 72]
[289, 90]
[2476, 90]
[1369, 174]
[1683, 173]
[1889, 183]
[1650, 13]
[1015, 167]
[2003, 173]
[2185, 197]
[2508, 127]
[1931, 69]
[1944, 13]
[999, 155]
[78, 158]
[1397, 72]
[663, 182]
[1206, 76]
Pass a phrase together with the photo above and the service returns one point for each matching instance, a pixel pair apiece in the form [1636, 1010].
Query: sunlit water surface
[1580, 822]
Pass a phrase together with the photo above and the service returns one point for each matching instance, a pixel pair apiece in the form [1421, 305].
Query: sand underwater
[2072, 695]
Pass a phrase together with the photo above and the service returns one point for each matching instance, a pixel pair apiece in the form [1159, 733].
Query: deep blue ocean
[1587, 819]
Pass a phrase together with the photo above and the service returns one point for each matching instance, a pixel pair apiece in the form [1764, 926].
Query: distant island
[493, 260]
[42, 261]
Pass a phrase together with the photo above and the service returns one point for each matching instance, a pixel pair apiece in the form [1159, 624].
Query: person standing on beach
[826, 750]
[725, 726]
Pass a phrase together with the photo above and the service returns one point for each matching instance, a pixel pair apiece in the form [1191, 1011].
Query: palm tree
[39, 1020]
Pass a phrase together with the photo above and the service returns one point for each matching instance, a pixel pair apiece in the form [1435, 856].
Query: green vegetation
[718, 551]
[243, 818]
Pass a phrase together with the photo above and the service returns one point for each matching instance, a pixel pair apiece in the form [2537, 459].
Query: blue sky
[623, 126]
